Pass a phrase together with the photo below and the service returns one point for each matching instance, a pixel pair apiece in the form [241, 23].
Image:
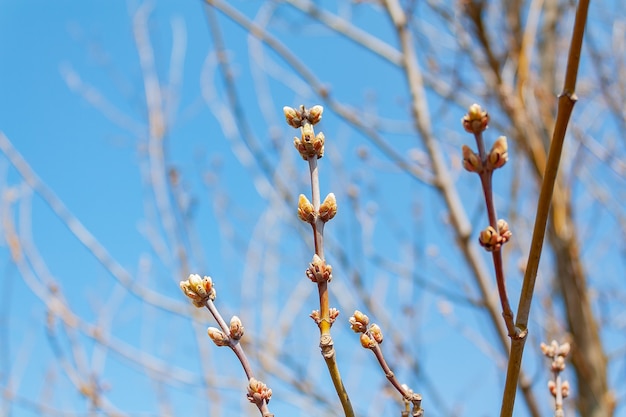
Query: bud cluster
[198, 290]
[492, 239]
[557, 353]
[476, 120]
[319, 271]
[332, 316]
[327, 210]
[258, 392]
[309, 144]
[371, 334]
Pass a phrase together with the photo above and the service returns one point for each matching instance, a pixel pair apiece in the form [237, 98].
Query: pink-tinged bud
[564, 349]
[498, 155]
[503, 230]
[552, 388]
[367, 342]
[236, 328]
[328, 209]
[376, 333]
[316, 316]
[293, 118]
[489, 239]
[315, 114]
[309, 145]
[319, 271]
[218, 337]
[565, 389]
[476, 120]
[471, 161]
[333, 314]
[359, 322]
[306, 211]
[258, 392]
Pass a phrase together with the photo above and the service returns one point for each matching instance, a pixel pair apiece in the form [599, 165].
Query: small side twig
[201, 292]
[558, 388]
[371, 338]
[497, 233]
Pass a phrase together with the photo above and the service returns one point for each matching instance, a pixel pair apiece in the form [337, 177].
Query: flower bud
[476, 120]
[258, 392]
[471, 161]
[319, 271]
[376, 333]
[236, 328]
[315, 114]
[306, 211]
[359, 322]
[328, 209]
[498, 155]
[367, 342]
[489, 239]
[218, 337]
[292, 116]
[198, 290]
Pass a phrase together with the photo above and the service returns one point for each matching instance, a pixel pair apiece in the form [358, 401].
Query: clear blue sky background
[94, 167]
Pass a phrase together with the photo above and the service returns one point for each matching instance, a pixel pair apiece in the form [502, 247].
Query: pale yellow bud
[328, 209]
[306, 211]
[236, 328]
[218, 337]
[292, 116]
[367, 342]
[315, 114]
[376, 333]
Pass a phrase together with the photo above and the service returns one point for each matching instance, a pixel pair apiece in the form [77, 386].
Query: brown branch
[566, 103]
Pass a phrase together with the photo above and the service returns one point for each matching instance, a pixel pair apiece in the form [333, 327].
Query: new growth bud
[367, 342]
[359, 322]
[315, 114]
[236, 328]
[198, 290]
[476, 120]
[492, 239]
[471, 161]
[258, 392]
[218, 337]
[376, 333]
[328, 209]
[319, 270]
[293, 118]
[306, 211]
[309, 145]
[498, 155]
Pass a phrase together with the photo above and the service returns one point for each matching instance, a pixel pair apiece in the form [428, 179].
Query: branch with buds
[310, 146]
[497, 233]
[201, 292]
[371, 338]
[558, 388]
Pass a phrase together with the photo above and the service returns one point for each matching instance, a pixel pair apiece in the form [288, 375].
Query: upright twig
[557, 386]
[566, 102]
[311, 148]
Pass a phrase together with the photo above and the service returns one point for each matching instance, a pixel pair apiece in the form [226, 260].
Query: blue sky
[245, 236]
